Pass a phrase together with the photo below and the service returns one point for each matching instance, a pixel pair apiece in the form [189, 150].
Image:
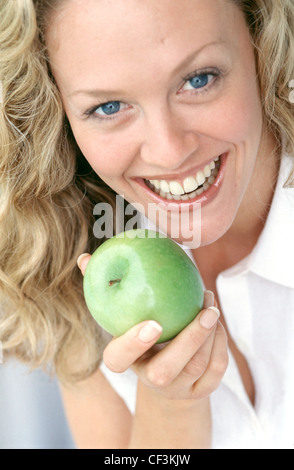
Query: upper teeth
[190, 184]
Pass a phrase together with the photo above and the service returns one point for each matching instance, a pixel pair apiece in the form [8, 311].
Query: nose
[168, 141]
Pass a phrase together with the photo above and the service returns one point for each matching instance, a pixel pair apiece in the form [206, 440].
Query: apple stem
[115, 281]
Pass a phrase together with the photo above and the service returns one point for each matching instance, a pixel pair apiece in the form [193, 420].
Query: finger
[217, 366]
[208, 300]
[182, 386]
[165, 366]
[82, 261]
[123, 351]
[198, 364]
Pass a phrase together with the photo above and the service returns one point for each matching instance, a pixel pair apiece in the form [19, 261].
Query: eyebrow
[98, 92]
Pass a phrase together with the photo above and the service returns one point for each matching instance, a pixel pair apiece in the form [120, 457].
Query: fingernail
[80, 259]
[209, 317]
[150, 331]
[208, 299]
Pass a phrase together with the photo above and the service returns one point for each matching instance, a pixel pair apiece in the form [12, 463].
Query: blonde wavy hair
[47, 190]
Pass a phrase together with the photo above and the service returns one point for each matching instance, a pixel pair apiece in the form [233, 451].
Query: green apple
[142, 275]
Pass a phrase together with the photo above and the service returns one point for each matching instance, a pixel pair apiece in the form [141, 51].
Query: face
[163, 101]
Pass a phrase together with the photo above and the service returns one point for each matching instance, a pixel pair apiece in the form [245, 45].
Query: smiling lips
[190, 188]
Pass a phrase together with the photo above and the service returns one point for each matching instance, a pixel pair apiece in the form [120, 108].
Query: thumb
[83, 261]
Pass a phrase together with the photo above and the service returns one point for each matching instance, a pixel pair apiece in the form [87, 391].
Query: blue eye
[200, 81]
[110, 108]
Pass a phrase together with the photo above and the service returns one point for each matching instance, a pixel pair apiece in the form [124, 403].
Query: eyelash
[216, 73]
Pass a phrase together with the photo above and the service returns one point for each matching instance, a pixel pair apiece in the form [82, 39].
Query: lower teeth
[185, 197]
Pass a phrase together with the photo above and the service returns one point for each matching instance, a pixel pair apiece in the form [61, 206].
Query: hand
[189, 367]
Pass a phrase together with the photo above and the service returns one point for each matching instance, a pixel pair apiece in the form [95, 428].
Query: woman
[153, 95]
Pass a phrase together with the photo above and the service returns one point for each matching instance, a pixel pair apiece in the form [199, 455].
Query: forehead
[93, 34]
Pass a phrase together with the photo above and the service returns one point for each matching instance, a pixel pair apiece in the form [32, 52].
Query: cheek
[109, 156]
[244, 121]
[236, 118]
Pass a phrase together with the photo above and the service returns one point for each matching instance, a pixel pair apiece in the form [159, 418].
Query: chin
[215, 230]
[209, 232]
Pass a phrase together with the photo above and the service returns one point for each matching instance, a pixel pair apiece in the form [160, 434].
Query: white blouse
[257, 300]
